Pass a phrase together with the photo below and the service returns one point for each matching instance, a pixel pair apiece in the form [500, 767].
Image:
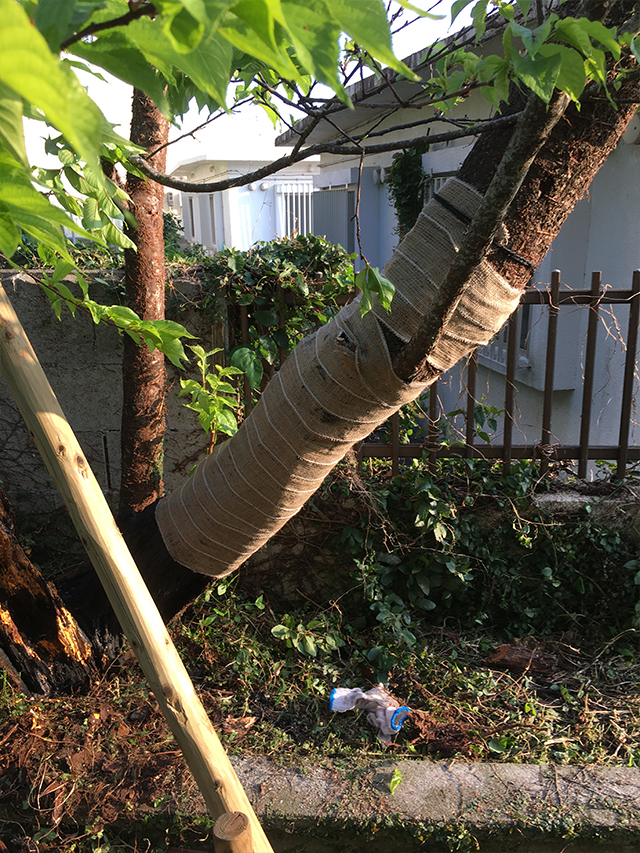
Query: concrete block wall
[83, 362]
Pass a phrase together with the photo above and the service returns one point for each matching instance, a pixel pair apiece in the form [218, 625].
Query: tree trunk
[144, 376]
[339, 384]
[42, 644]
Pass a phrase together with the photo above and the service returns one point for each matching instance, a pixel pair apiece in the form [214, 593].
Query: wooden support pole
[232, 833]
[129, 597]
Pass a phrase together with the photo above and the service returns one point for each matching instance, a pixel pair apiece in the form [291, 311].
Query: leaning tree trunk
[340, 382]
[144, 377]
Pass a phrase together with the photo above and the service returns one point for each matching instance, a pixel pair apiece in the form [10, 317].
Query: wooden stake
[232, 833]
[120, 577]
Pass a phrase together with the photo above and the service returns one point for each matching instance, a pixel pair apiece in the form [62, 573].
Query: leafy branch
[164, 335]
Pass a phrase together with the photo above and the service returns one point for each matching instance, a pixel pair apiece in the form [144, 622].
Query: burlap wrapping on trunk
[334, 390]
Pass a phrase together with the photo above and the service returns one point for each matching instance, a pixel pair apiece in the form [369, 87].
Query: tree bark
[41, 641]
[144, 376]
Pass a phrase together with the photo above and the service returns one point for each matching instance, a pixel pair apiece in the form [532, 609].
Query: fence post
[509, 393]
[244, 332]
[432, 431]
[589, 371]
[472, 373]
[629, 374]
[395, 443]
[552, 331]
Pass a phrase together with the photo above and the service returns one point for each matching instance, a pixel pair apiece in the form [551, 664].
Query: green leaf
[118, 55]
[478, 16]
[11, 128]
[457, 7]
[226, 422]
[598, 32]
[309, 645]
[183, 28]
[30, 210]
[250, 25]
[572, 77]
[91, 214]
[266, 318]
[366, 22]
[596, 66]
[315, 36]
[52, 19]
[208, 65]
[9, 234]
[539, 73]
[524, 6]
[533, 39]
[29, 68]
[249, 363]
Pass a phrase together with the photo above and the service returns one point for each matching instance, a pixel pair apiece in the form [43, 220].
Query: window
[295, 210]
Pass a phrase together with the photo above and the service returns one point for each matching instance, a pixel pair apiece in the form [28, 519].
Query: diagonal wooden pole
[129, 597]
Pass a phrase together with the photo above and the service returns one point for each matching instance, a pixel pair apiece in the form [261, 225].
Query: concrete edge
[447, 805]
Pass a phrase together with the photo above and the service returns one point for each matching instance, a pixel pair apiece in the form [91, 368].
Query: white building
[275, 206]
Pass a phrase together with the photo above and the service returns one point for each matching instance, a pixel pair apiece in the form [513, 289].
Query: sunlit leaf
[29, 68]
[539, 73]
[118, 55]
[366, 22]
[11, 129]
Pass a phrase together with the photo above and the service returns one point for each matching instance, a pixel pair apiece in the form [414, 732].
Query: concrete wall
[83, 363]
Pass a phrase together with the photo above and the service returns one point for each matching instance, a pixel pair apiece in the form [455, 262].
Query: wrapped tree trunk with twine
[458, 275]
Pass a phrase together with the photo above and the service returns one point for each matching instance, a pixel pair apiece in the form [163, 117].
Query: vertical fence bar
[472, 373]
[552, 333]
[244, 331]
[433, 430]
[395, 443]
[629, 374]
[509, 393]
[282, 354]
[589, 372]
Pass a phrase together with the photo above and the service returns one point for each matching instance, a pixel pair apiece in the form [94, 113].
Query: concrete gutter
[445, 806]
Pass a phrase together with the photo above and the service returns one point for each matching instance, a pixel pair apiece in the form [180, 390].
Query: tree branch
[533, 127]
[320, 148]
[143, 11]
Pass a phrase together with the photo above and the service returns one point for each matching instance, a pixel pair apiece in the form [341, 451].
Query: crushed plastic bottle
[384, 712]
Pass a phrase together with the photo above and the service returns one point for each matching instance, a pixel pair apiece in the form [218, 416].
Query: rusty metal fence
[622, 453]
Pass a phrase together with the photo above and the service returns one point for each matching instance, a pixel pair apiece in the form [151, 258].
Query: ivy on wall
[406, 184]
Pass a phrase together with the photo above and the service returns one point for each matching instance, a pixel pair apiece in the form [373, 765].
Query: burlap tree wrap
[334, 390]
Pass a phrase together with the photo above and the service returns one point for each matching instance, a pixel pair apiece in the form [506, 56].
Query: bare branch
[320, 148]
[146, 10]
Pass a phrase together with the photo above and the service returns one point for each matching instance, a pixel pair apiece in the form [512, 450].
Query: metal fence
[621, 453]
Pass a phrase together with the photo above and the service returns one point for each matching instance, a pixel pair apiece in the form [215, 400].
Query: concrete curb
[445, 806]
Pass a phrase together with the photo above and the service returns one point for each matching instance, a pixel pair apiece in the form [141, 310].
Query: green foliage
[212, 397]
[470, 543]
[406, 185]
[395, 780]
[289, 287]
[310, 638]
[370, 280]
